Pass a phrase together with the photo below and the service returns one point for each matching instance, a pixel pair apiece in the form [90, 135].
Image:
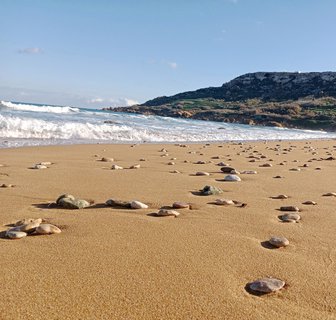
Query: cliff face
[287, 99]
[267, 86]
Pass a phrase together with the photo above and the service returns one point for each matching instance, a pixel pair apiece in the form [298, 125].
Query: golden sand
[114, 263]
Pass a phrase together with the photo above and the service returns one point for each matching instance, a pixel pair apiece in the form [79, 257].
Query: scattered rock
[138, 205]
[104, 159]
[68, 201]
[266, 285]
[224, 202]
[175, 171]
[330, 194]
[167, 212]
[45, 163]
[116, 167]
[4, 185]
[289, 208]
[266, 165]
[11, 234]
[295, 169]
[279, 242]
[227, 169]
[65, 195]
[232, 177]
[310, 202]
[181, 205]
[211, 190]
[135, 166]
[290, 217]
[30, 227]
[202, 173]
[46, 228]
[39, 166]
[280, 196]
[278, 177]
[249, 172]
[171, 163]
[27, 221]
[118, 203]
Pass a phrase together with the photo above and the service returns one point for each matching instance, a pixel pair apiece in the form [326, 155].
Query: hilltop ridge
[286, 99]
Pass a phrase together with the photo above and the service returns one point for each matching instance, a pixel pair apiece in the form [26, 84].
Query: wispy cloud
[114, 102]
[172, 64]
[35, 50]
[96, 100]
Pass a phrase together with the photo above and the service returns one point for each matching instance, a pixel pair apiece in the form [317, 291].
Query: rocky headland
[283, 99]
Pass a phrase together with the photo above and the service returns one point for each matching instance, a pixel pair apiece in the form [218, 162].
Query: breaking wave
[37, 108]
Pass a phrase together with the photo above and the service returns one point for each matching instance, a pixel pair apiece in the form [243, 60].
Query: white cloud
[96, 100]
[113, 102]
[173, 65]
[122, 102]
[30, 50]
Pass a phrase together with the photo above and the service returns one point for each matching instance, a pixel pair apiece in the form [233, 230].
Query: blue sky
[107, 52]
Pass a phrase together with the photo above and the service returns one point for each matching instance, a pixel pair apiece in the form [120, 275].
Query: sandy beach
[119, 263]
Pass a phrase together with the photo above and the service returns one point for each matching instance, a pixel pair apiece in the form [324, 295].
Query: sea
[31, 124]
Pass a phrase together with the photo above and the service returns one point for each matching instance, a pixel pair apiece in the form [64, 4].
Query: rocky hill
[289, 99]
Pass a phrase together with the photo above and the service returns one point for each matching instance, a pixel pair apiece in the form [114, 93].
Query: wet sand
[116, 263]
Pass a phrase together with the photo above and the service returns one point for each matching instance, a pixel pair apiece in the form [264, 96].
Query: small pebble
[232, 177]
[116, 167]
[290, 217]
[280, 196]
[266, 165]
[4, 185]
[15, 234]
[200, 162]
[290, 208]
[266, 285]
[330, 194]
[181, 205]
[249, 172]
[202, 173]
[227, 169]
[310, 202]
[138, 205]
[26, 221]
[167, 212]
[39, 166]
[211, 190]
[107, 159]
[46, 228]
[118, 203]
[224, 202]
[135, 166]
[279, 242]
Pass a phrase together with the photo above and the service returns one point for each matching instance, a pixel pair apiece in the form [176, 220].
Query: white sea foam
[37, 108]
[20, 127]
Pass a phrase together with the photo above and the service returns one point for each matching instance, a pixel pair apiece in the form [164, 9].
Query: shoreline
[169, 143]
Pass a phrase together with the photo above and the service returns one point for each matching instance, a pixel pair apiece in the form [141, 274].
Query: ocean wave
[37, 108]
[83, 131]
